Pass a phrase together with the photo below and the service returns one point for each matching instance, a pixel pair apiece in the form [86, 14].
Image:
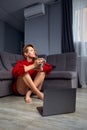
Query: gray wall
[55, 29]
[45, 31]
[10, 38]
[36, 31]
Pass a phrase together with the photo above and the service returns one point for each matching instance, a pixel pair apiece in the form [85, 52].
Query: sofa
[63, 75]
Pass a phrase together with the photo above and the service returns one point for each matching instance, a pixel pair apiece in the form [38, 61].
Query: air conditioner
[34, 11]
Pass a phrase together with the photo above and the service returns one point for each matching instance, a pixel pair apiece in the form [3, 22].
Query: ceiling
[12, 11]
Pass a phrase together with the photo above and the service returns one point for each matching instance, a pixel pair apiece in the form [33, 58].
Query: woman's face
[31, 52]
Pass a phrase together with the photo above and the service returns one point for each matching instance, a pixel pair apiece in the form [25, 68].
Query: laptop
[57, 101]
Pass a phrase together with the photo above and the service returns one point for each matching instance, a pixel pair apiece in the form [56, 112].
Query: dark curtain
[67, 34]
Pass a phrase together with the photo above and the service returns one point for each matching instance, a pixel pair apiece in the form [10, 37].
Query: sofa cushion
[62, 75]
[57, 60]
[51, 59]
[5, 75]
[1, 66]
[8, 59]
[71, 61]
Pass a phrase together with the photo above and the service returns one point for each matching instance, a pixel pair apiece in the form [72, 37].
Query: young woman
[29, 74]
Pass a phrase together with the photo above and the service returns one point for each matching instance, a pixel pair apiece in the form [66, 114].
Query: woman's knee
[26, 76]
[42, 73]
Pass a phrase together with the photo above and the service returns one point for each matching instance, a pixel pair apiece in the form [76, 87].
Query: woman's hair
[25, 49]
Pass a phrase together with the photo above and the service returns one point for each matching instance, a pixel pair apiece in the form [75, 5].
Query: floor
[15, 114]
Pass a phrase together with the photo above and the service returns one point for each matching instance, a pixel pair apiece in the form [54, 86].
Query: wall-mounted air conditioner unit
[34, 11]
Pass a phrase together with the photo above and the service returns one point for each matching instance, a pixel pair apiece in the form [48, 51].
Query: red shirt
[18, 69]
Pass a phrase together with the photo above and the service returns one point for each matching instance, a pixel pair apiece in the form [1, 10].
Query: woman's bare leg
[27, 81]
[39, 83]
[27, 96]
[23, 89]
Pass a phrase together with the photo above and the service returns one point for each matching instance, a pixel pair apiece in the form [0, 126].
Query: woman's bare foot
[41, 96]
[27, 99]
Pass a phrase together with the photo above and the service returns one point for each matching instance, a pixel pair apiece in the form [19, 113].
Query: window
[80, 26]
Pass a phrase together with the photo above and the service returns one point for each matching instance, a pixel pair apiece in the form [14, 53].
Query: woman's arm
[20, 68]
[30, 67]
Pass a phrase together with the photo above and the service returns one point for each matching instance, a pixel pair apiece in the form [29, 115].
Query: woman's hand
[38, 63]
